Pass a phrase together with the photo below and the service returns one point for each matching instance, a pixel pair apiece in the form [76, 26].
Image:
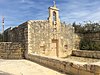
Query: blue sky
[19, 11]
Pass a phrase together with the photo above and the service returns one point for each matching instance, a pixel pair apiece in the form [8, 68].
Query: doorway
[55, 47]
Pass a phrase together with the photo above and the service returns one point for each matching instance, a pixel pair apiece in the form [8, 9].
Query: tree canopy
[86, 28]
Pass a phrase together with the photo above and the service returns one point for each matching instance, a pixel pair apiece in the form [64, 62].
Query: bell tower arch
[54, 19]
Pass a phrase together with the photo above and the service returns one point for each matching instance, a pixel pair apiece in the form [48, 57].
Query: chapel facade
[48, 37]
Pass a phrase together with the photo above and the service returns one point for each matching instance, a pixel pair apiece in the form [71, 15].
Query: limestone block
[84, 72]
[82, 67]
[74, 68]
[68, 67]
[10, 49]
[74, 71]
[96, 73]
[98, 55]
[97, 69]
[84, 53]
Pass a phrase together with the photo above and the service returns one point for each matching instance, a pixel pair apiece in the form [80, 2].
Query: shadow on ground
[4, 73]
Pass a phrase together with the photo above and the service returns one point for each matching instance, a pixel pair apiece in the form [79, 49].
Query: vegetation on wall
[88, 43]
[86, 28]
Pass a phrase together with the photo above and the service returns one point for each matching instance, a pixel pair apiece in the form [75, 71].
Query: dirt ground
[24, 67]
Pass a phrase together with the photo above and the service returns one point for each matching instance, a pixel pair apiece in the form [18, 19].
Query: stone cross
[54, 3]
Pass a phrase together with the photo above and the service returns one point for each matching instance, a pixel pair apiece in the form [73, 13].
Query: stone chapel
[49, 37]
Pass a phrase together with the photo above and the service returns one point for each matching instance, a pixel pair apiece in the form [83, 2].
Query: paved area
[24, 67]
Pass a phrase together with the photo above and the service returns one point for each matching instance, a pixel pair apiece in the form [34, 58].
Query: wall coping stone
[88, 67]
[86, 53]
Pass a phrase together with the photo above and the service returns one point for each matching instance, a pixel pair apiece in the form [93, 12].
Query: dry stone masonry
[9, 50]
[41, 36]
[65, 66]
[88, 54]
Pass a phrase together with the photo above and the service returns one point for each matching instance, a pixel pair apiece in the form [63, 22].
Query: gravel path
[24, 67]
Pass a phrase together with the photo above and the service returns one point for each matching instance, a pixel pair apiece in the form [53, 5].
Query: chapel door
[55, 47]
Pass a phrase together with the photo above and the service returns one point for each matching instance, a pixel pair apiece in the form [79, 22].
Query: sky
[19, 11]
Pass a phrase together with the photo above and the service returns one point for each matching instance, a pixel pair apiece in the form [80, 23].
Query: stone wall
[38, 37]
[41, 34]
[18, 34]
[70, 67]
[70, 39]
[9, 50]
[86, 53]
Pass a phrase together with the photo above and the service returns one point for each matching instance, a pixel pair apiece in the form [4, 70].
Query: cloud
[79, 10]
[18, 11]
[23, 1]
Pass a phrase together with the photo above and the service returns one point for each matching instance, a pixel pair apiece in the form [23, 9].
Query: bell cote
[54, 19]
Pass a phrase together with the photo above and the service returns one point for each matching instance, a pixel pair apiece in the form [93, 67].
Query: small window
[54, 16]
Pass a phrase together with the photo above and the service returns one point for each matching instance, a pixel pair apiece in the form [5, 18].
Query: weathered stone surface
[40, 36]
[85, 53]
[9, 50]
[37, 37]
[71, 67]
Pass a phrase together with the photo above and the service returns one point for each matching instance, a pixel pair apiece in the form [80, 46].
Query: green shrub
[87, 44]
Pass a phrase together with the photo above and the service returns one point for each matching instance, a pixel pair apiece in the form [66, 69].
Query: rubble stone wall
[40, 35]
[70, 67]
[18, 34]
[37, 36]
[86, 53]
[9, 50]
[70, 39]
